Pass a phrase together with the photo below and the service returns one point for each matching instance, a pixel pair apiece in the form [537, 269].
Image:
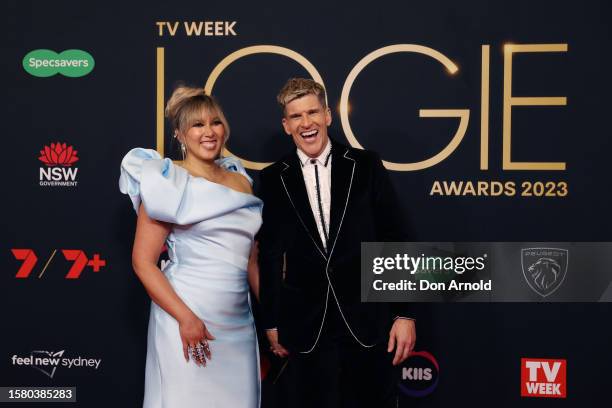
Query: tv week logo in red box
[543, 378]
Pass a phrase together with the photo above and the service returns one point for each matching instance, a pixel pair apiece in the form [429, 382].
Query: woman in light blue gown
[202, 347]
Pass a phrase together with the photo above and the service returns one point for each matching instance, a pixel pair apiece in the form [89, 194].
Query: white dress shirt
[308, 170]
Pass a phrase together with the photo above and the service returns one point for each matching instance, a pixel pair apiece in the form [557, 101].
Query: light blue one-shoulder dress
[213, 227]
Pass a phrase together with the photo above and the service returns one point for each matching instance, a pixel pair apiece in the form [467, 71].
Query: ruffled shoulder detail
[155, 182]
[234, 164]
[168, 193]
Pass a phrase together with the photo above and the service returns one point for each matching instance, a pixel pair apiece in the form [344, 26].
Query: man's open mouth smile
[309, 135]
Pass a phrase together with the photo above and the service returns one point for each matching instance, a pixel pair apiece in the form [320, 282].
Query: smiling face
[306, 120]
[205, 137]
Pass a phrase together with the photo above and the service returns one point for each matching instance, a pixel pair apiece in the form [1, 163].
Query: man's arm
[390, 221]
[391, 226]
[271, 250]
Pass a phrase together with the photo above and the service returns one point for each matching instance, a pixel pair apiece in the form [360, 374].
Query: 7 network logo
[79, 260]
[543, 378]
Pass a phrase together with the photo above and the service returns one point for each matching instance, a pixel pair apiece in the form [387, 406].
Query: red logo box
[543, 378]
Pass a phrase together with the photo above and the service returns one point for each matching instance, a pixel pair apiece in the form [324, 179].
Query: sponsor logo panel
[69, 63]
[59, 168]
[77, 262]
[544, 269]
[50, 362]
[419, 374]
[545, 378]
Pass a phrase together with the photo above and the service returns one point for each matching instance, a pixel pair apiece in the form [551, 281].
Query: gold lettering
[218, 27]
[172, 29]
[436, 188]
[208, 28]
[463, 114]
[160, 100]
[193, 27]
[160, 27]
[484, 108]
[509, 101]
[229, 28]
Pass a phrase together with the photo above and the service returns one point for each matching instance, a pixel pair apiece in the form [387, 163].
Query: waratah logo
[58, 171]
[58, 154]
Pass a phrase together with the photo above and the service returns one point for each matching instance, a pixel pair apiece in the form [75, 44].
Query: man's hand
[275, 346]
[402, 337]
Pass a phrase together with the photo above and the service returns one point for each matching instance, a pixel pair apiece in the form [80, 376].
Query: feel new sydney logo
[47, 362]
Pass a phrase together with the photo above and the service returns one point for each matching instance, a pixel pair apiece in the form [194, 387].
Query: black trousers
[339, 372]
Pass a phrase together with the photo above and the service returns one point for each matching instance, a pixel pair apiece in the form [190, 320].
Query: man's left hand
[402, 337]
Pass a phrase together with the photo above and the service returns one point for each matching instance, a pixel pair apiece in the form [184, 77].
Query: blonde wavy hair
[296, 88]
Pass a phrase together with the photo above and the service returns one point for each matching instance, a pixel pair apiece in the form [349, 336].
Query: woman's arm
[150, 236]
[253, 270]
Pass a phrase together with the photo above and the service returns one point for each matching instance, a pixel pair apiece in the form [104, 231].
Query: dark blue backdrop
[103, 315]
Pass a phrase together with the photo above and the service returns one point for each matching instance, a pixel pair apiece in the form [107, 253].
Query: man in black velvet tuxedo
[320, 202]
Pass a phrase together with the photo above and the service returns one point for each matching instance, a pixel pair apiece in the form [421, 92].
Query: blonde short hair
[296, 88]
[186, 106]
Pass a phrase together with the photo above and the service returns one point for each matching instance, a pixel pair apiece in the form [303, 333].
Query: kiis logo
[78, 258]
[58, 171]
[420, 374]
[543, 378]
[47, 362]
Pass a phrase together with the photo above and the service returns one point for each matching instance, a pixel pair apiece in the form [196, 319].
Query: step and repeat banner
[491, 117]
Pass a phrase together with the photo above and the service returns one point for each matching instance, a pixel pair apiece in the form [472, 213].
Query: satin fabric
[213, 227]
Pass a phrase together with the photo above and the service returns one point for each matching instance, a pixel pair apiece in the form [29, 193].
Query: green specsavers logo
[70, 63]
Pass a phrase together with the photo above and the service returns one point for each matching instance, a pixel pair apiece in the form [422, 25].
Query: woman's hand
[195, 336]
[275, 346]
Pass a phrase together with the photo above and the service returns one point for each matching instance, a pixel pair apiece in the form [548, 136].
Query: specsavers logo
[69, 63]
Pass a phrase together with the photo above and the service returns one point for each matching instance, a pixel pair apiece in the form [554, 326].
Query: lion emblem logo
[544, 268]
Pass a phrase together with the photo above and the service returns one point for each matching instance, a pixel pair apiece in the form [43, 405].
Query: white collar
[322, 159]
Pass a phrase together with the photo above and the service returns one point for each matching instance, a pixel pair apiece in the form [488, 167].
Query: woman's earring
[183, 150]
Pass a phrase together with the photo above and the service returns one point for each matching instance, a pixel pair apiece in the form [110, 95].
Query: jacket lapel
[343, 169]
[293, 182]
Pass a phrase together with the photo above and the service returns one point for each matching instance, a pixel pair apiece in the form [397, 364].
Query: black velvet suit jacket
[299, 278]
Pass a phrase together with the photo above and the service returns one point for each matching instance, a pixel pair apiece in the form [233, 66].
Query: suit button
[330, 269]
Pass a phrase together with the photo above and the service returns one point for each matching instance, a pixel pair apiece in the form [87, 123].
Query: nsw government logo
[419, 375]
[543, 378]
[47, 362]
[544, 268]
[58, 170]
